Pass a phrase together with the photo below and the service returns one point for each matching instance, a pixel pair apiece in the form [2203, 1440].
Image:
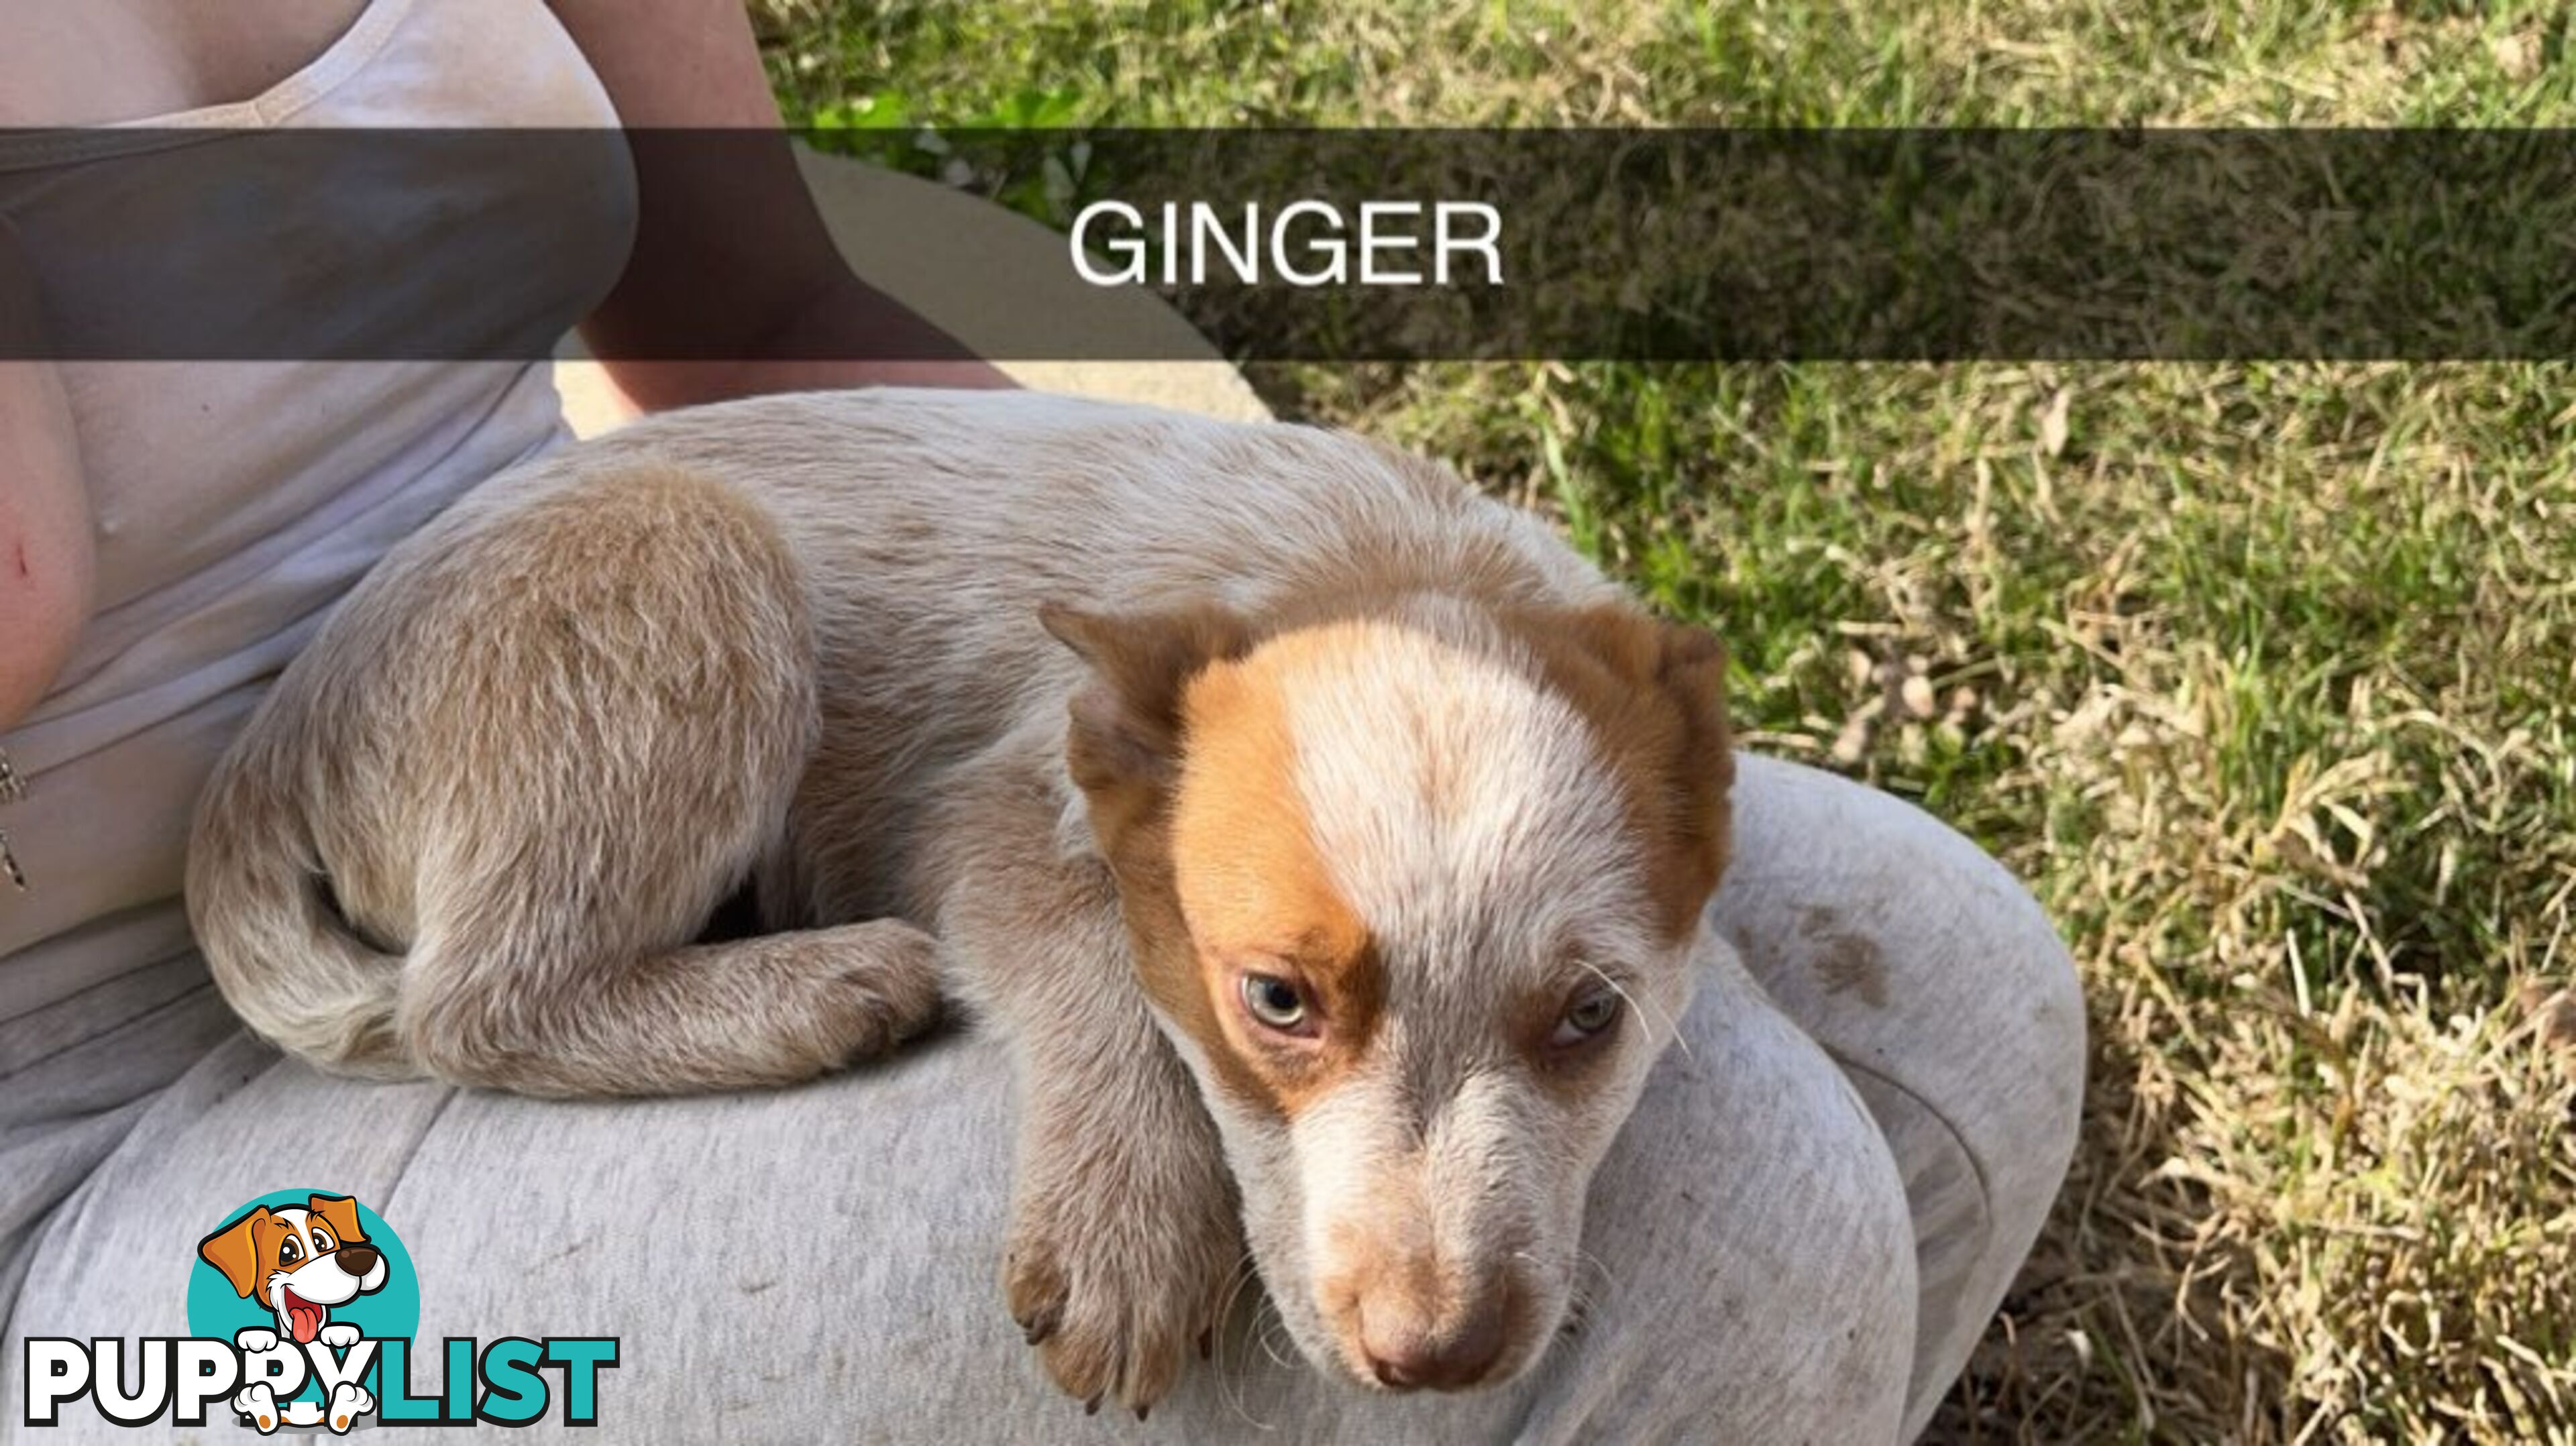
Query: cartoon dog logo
[298, 1262]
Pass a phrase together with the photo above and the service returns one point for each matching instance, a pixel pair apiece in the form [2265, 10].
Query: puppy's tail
[259, 900]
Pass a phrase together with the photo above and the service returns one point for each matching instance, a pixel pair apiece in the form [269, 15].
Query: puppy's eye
[321, 1243]
[1591, 1014]
[289, 1251]
[1274, 1002]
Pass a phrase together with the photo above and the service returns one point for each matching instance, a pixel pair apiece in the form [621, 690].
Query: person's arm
[731, 259]
[45, 546]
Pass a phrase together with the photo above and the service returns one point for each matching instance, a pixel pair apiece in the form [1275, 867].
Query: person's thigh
[1932, 977]
[822, 1263]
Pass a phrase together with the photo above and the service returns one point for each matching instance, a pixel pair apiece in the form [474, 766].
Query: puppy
[1329, 843]
[301, 1261]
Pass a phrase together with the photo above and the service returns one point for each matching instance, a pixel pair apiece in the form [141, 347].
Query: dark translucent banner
[1338, 245]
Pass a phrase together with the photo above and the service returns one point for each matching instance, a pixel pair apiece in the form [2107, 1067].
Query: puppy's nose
[357, 1259]
[1413, 1355]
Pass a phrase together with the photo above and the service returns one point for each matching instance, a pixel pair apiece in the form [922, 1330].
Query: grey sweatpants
[1798, 1237]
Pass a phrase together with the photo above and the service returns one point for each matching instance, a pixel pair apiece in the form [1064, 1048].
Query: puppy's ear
[1126, 721]
[235, 1249]
[1656, 693]
[1691, 669]
[340, 1212]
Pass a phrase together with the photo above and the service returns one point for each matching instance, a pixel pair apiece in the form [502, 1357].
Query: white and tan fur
[1310, 709]
[298, 1261]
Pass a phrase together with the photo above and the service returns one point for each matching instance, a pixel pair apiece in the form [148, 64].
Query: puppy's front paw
[823, 999]
[877, 997]
[1115, 1287]
[348, 1403]
[339, 1335]
[256, 1404]
[255, 1339]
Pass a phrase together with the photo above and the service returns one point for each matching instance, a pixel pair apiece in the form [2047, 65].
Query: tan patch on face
[1122, 748]
[1257, 895]
[1653, 693]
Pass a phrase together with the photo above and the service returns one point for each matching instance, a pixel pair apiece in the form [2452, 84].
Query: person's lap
[824, 1261]
[1930, 975]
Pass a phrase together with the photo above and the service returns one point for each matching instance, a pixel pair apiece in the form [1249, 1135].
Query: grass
[2263, 675]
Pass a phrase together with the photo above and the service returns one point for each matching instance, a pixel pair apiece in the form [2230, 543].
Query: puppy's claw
[1207, 1343]
[1141, 1410]
[1039, 1324]
[1109, 1288]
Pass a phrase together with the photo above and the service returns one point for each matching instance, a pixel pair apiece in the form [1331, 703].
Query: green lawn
[2261, 674]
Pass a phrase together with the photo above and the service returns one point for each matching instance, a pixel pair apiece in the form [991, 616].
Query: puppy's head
[299, 1261]
[1414, 894]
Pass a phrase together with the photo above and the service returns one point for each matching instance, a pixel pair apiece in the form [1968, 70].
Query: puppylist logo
[302, 1308]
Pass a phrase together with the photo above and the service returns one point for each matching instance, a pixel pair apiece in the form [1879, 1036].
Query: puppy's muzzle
[1410, 1348]
[1408, 1357]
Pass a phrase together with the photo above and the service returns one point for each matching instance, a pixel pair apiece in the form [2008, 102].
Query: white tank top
[236, 501]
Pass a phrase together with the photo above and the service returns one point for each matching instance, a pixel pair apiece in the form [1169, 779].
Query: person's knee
[1751, 1223]
[1907, 951]
[1935, 980]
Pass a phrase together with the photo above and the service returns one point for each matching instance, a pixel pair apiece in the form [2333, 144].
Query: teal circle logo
[303, 1265]
[303, 1309]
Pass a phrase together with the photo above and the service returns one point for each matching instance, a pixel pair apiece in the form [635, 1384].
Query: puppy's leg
[744, 1014]
[621, 685]
[348, 1403]
[1125, 1232]
[257, 1405]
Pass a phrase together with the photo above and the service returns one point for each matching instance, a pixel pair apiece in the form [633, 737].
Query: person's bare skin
[94, 62]
[44, 536]
[763, 278]
[86, 62]
[45, 544]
